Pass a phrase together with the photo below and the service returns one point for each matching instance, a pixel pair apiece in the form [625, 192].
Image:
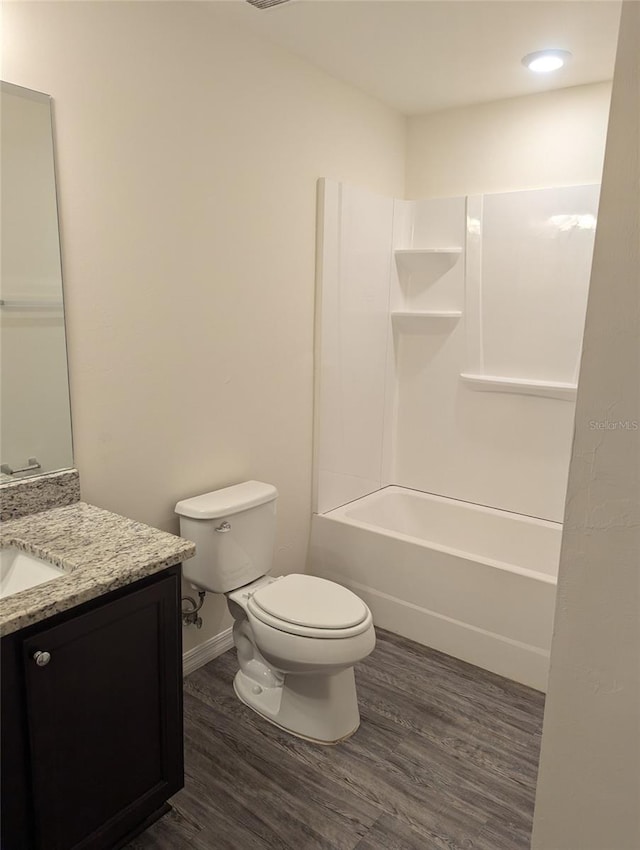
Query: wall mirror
[35, 418]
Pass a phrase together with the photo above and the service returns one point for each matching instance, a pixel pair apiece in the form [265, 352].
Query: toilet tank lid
[230, 500]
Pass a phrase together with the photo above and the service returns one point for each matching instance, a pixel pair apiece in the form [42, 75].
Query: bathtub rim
[338, 515]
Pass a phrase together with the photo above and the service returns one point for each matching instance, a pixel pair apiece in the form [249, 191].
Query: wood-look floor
[445, 759]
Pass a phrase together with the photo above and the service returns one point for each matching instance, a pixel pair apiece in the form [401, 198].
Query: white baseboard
[207, 651]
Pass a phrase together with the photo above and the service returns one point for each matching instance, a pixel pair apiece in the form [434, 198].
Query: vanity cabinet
[92, 720]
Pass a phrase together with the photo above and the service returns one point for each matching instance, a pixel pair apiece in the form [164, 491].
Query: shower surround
[448, 343]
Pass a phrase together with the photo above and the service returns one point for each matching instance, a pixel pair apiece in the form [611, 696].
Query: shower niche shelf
[423, 316]
[425, 265]
[523, 386]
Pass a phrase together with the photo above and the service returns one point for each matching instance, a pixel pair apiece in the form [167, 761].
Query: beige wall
[188, 156]
[550, 139]
[589, 780]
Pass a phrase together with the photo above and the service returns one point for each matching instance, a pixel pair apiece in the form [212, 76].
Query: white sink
[19, 571]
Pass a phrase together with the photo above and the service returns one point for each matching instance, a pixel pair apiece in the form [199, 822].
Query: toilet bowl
[297, 636]
[296, 656]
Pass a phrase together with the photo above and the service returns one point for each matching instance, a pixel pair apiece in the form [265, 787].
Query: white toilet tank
[234, 531]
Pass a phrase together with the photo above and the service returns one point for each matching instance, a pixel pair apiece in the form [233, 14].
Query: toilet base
[320, 709]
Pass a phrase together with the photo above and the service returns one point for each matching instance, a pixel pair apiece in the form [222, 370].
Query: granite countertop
[99, 550]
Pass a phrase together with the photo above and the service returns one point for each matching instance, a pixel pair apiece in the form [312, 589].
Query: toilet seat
[311, 607]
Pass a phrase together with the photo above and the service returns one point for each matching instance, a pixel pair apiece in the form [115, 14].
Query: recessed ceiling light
[543, 61]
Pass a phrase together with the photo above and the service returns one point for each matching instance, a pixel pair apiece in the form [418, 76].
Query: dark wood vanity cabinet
[92, 720]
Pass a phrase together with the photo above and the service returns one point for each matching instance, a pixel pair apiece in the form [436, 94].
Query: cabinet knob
[42, 658]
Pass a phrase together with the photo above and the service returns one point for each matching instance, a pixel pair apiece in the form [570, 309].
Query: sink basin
[20, 571]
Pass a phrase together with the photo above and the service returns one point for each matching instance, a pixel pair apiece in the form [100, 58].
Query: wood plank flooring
[445, 759]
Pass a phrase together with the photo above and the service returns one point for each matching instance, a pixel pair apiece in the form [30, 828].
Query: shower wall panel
[536, 260]
[527, 262]
[352, 313]
[421, 304]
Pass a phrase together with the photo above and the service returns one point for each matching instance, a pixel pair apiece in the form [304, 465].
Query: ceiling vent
[266, 4]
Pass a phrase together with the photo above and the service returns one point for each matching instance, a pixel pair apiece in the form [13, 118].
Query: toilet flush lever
[223, 527]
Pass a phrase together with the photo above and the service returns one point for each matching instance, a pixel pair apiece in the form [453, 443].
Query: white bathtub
[471, 581]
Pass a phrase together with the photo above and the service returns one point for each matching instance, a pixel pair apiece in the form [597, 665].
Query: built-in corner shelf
[523, 386]
[426, 314]
[430, 262]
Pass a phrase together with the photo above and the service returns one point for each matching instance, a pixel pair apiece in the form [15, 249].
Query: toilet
[297, 636]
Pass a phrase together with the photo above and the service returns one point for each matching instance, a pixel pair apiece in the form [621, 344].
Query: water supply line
[190, 615]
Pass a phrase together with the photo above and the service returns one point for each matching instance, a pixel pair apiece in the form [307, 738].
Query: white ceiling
[421, 56]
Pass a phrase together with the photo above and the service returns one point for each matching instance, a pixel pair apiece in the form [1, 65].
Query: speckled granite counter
[99, 550]
[38, 493]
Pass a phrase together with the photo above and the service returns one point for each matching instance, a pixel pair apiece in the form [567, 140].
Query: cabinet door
[105, 718]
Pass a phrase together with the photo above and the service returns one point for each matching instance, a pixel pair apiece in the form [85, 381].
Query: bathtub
[471, 581]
